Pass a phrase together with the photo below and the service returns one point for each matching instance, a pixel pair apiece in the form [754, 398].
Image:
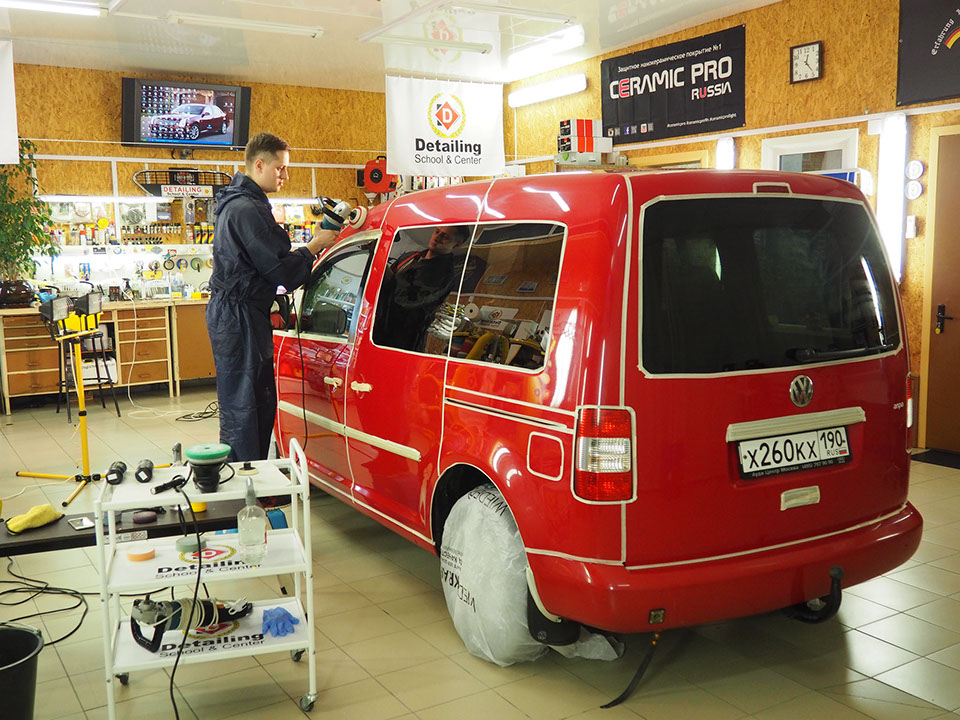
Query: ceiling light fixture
[126, 200]
[243, 24]
[513, 11]
[552, 44]
[65, 8]
[481, 48]
[567, 85]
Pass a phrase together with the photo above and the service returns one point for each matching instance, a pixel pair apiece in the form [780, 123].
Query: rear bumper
[620, 600]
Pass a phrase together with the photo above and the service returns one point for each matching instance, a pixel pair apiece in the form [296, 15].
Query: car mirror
[328, 319]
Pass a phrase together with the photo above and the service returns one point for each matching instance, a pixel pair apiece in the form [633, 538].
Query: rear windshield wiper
[808, 355]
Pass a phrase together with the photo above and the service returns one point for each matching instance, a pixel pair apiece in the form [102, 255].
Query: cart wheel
[124, 678]
[295, 655]
[307, 701]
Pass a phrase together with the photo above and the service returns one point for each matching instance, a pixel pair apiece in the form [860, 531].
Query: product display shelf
[288, 551]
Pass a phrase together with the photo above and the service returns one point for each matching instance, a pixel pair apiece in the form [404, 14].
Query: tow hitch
[821, 609]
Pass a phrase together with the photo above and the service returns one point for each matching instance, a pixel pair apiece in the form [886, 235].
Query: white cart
[288, 551]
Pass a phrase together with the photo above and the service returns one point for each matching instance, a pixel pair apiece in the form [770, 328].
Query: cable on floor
[35, 588]
[210, 411]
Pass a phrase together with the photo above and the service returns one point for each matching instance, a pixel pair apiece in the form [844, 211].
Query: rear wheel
[483, 571]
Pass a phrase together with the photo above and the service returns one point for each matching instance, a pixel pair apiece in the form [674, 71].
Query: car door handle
[333, 382]
[361, 387]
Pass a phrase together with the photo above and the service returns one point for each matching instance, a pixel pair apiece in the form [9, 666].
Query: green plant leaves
[24, 218]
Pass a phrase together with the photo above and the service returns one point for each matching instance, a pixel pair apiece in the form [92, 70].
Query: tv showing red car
[172, 113]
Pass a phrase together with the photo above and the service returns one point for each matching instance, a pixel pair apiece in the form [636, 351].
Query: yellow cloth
[37, 516]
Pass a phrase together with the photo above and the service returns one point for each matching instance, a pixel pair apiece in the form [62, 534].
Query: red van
[690, 387]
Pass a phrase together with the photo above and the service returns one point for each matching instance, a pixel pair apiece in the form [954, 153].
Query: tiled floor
[386, 648]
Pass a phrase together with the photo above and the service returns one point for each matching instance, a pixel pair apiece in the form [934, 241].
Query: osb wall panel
[845, 89]
[322, 125]
[64, 177]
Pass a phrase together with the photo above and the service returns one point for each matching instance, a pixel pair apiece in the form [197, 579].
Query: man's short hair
[263, 144]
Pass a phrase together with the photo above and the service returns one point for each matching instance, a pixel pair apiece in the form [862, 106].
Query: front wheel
[483, 571]
[194, 132]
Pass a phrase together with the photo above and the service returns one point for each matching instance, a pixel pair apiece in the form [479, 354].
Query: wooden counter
[152, 341]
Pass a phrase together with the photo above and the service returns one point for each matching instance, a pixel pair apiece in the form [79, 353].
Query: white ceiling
[138, 38]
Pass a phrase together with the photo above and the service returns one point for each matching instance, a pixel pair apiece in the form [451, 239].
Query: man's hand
[322, 239]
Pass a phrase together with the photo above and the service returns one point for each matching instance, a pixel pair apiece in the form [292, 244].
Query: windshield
[734, 284]
[188, 110]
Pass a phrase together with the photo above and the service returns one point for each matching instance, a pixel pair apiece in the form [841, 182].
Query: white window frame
[847, 141]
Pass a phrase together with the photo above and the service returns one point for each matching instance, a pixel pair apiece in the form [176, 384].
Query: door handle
[333, 382]
[941, 316]
[361, 387]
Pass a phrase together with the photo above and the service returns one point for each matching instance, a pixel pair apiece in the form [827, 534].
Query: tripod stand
[84, 477]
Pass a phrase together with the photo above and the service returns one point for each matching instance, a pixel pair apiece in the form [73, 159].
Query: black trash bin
[19, 647]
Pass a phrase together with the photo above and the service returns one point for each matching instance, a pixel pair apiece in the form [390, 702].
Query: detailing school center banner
[928, 66]
[436, 127]
[685, 88]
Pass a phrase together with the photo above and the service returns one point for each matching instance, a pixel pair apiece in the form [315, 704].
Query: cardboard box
[579, 158]
[89, 371]
[572, 143]
[580, 127]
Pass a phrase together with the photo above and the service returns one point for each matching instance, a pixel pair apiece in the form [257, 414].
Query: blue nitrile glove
[278, 622]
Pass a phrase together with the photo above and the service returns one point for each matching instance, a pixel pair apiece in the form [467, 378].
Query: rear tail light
[604, 468]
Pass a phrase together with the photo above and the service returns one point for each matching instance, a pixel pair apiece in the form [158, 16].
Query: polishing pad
[142, 517]
[247, 469]
[139, 553]
[188, 543]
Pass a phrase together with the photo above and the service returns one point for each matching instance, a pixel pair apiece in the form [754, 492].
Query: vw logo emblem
[801, 390]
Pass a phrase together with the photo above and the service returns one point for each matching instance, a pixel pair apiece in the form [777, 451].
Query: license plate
[793, 452]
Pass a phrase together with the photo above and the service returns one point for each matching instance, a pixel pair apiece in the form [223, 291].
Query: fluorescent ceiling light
[513, 11]
[890, 182]
[132, 200]
[294, 201]
[482, 48]
[726, 154]
[552, 44]
[549, 90]
[243, 24]
[54, 7]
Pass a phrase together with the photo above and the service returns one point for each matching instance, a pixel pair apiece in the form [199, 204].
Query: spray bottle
[252, 529]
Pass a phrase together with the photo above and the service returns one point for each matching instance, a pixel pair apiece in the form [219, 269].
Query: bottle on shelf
[252, 529]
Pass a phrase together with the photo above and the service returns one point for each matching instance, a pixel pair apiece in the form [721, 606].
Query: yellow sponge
[37, 516]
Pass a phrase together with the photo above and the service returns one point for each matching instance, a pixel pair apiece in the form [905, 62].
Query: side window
[332, 295]
[504, 317]
[415, 308]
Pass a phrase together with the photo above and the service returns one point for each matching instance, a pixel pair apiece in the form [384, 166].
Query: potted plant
[24, 221]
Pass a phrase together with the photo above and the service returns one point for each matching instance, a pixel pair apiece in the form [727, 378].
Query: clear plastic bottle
[252, 529]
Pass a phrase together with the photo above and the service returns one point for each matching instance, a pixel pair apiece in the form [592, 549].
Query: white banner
[449, 24]
[435, 127]
[9, 144]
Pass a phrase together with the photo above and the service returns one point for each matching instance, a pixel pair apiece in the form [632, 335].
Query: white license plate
[796, 451]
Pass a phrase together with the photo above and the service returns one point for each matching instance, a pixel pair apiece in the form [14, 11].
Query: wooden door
[942, 391]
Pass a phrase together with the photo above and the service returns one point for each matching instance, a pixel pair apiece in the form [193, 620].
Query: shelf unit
[288, 551]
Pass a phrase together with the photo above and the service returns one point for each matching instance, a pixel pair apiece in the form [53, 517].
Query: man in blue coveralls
[251, 256]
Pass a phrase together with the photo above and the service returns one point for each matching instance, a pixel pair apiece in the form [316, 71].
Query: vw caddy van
[690, 387]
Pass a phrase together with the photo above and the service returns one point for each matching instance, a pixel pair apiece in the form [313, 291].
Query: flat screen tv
[182, 114]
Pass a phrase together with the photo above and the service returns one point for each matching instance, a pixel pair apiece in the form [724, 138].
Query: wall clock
[806, 62]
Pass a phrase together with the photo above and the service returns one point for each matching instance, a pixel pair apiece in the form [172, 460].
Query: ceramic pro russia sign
[444, 128]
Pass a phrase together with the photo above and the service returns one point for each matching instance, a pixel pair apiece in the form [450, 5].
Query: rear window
[733, 284]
